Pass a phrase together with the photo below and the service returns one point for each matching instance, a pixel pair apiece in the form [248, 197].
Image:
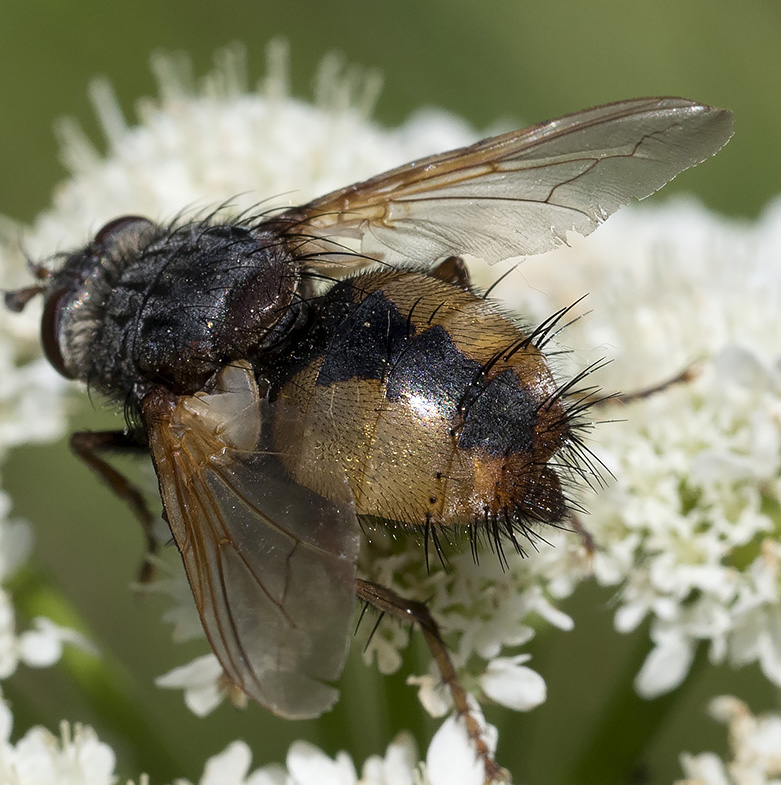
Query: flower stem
[103, 684]
[613, 752]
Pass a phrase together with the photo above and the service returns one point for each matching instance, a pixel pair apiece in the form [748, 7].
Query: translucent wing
[272, 567]
[522, 192]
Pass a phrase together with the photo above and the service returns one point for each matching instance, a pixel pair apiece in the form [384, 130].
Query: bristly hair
[574, 464]
[511, 528]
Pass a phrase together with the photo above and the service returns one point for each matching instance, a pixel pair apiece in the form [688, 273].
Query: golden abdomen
[433, 406]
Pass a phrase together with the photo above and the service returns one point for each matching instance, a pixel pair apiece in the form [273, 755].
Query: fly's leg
[87, 445]
[685, 376]
[411, 610]
[688, 374]
[589, 543]
[452, 270]
[594, 398]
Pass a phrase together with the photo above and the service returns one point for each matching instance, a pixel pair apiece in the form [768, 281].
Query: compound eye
[50, 331]
[121, 230]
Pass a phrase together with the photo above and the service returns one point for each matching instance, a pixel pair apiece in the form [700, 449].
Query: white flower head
[687, 531]
[76, 757]
[698, 466]
[448, 762]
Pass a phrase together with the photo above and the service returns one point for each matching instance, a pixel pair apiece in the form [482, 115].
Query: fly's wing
[271, 564]
[519, 193]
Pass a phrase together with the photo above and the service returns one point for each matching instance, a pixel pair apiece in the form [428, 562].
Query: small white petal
[512, 684]
[93, 757]
[40, 649]
[451, 759]
[9, 649]
[433, 695]
[42, 646]
[665, 666]
[704, 769]
[553, 615]
[269, 775]
[739, 365]
[628, 617]
[200, 680]
[6, 722]
[308, 765]
[398, 767]
[229, 767]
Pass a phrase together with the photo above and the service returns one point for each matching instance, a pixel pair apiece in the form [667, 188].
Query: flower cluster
[755, 744]
[447, 762]
[689, 528]
[77, 757]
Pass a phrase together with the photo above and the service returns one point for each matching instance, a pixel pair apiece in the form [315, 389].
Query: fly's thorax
[144, 305]
[438, 407]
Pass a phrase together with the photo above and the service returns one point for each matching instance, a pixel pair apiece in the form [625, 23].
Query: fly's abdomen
[432, 406]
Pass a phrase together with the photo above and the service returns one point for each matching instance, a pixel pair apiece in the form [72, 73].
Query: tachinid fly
[295, 374]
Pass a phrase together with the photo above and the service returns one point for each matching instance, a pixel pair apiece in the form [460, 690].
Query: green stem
[613, 753]
[103, 683]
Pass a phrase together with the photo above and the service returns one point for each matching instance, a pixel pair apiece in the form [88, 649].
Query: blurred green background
[502, 60]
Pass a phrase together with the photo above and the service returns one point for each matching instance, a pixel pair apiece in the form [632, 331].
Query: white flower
[667, 664]
[200, 680]
[451, 760]
[755, 745]
[433, 694]
[307, 765]
[703, 769]
[231, 767]
[509, 682]
[688, 529]
[400, 765]
[77, 757]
